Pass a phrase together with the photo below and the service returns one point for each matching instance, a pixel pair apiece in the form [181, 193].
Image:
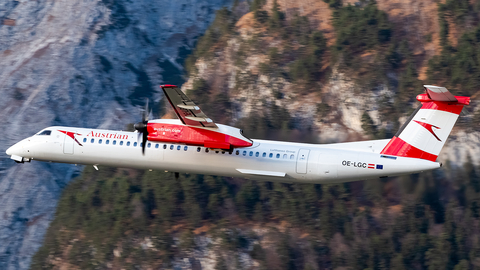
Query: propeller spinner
[141, 127]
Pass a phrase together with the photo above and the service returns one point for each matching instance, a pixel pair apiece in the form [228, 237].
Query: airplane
[195, 144]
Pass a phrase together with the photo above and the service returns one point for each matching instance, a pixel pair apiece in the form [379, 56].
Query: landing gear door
[302, 160]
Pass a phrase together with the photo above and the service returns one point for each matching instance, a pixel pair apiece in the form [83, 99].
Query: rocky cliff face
[83, 63]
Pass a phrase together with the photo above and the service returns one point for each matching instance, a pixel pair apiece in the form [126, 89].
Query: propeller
[141, 127]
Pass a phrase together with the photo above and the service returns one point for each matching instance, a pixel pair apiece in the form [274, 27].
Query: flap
[187, 111]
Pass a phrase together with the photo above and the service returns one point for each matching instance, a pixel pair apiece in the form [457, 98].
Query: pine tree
[221, 264]
[368, 125]
[437, 258]
[277, 17]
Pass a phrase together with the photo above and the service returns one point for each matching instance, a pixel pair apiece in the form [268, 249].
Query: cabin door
[68, 145]
[302, 160]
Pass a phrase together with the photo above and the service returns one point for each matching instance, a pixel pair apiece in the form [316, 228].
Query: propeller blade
[141, 127]
[145, 118]
[144, 141]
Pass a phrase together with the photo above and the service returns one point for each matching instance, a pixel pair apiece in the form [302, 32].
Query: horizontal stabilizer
[438, 93]
[264, 173]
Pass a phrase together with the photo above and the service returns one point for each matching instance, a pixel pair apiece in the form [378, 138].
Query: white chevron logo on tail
[429, 127]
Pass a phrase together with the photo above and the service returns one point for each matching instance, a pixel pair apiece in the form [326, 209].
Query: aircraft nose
[15, 149]
[9, 151]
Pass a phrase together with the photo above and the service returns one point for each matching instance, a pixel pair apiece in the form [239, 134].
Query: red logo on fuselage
[429, 128]
[72, 135]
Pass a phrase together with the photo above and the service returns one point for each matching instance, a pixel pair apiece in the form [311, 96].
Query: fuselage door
[68, 144]
[302, 160]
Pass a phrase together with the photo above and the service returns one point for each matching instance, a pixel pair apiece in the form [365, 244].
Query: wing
[188, 112]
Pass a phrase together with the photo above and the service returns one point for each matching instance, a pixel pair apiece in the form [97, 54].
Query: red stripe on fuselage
[398, 147]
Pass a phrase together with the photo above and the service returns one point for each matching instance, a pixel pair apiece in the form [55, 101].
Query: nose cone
[10, 151]
[15, 149]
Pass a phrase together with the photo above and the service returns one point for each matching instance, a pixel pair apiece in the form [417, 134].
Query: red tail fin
[425, 132]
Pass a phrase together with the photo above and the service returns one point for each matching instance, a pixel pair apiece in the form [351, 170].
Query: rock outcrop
[83, 63]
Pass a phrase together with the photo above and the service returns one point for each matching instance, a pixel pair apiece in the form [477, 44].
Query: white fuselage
[264, 160]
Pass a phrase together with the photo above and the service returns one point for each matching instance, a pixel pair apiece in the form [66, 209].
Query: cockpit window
[45, 132]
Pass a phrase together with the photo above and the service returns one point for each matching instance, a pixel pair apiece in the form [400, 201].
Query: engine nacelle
[223, 137]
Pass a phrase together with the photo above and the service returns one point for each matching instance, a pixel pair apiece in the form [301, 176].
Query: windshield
[45, 133]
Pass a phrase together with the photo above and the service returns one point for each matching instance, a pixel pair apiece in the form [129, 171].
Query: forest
[425, 221]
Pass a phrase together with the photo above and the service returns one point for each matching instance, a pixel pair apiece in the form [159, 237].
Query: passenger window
[92, 140]
[141, 144]
[199, 149]
[278, 155]
[264, 154]
[171, 147]
[223, 152]
[135, 144]
[178, 147]
[284, 156]
[164, 146]
[216, 152]
[257, 154]
[100, 141]
[185, 148]
[157, 145]
[206, 150]
[237, 152]
[121, 142]
[128, 143]
[114, 142]
[84, 139]
[107, 141]
[251, 153]
[149, 145]
[244, 153]
[292, 157]
[270, 155]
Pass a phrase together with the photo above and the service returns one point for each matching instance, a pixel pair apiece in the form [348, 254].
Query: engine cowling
[223, 137]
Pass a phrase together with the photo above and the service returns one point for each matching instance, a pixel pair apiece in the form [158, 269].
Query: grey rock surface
[87, 63]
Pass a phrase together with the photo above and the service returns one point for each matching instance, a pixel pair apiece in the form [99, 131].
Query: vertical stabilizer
[425, 132]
